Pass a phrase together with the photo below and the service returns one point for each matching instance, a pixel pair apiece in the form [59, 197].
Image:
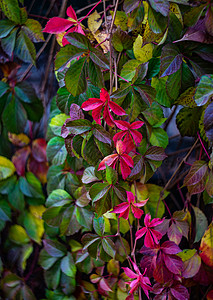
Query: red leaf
[39, 150]
[180, 292]
[71, 13]
[173, 263]
[103, 284]
[39, 169]
[170, 247]
[57, 25]
[20, 158]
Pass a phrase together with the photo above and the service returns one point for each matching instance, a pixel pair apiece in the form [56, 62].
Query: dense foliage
[82, 214]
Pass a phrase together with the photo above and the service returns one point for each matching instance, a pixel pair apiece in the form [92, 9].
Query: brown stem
[173, 175]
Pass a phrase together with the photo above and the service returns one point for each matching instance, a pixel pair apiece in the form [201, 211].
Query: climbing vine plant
[82, 215]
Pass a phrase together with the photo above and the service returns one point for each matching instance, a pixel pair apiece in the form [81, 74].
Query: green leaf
[31, 186]
[25, 49]
[84, 217]
[66, 55]
[56, 151]
[69, 224]
[187, 121]
[98, 191]
[7, 168]
[121, 40]
[98, 224]
[160, 86]
[154, 194]
[109, 247]
[129, 70]
[3, 88]
[161, 6]
[173, 84]
[52, 276]
[78, 126]
[89, 175]
[57, 196]
[33, 30]
[14, 116]
[56, 123]
[11, 10]
[18, 235]
[78, 40]
[99, 58]
[193, 15]
[90, 152]
[154, 115]
[204, 90]
[75, 78]
[171, 60]
[159, 138]
[16, 197]
[54, 248]
[141, 72]
[68, 266]
[46, 260]
[5, 211]
[95, 74]
[157, 22]
[136, 16]
[6, 26]
[111, 175]
[8, 43]
[201, 224]
[23, 14]
[137, 106]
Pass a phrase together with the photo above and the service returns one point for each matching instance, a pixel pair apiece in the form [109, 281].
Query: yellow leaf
[18, 235]
[20, 140]
[149, 36]
[94, 21]
[176, 10]
[7, 168]
[144, 53]
[206, 246]
[121, 19]
[146, 8]
[59, 38]
[36, 212]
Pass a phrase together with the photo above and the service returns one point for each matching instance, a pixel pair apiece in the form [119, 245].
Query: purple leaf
[171, 60]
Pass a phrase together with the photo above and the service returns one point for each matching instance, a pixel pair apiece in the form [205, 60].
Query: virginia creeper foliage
[96, 199]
